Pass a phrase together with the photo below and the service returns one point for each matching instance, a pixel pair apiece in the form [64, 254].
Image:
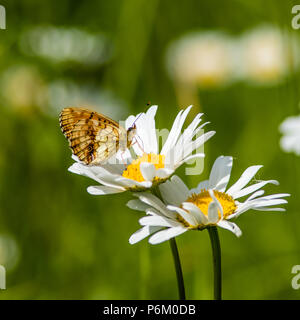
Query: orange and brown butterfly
[93, 137]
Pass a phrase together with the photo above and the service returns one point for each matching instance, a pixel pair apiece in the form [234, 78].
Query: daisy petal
[163, 173]
[231, 227]
[156, 203]
[220, 173]
[196, 212]
[213, 215]
[137, 205]
[216, 202]
[276, 196]
[174, 191]
[245, 178]
[252, 188]
[147, 170]
[100, 190]
[175, 130]
[193, 156]
[151, 141]
[269, 209]
[167, 234]
[189, 218]
[142, 234]
[202, 185]
[269, 203]
[157, 221]
[255, 195]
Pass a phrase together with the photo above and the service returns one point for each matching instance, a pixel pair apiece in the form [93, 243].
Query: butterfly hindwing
[92, 137]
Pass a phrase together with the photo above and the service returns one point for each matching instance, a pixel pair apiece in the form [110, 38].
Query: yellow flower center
[133, 170]
[203, 199]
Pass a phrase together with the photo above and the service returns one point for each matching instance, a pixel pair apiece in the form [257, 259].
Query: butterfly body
[93, 137]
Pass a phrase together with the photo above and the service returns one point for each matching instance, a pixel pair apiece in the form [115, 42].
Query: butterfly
[93, 137]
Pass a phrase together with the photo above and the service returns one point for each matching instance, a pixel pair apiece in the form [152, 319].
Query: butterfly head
[131, 132]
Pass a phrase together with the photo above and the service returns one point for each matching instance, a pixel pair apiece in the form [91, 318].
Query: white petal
[142, 234]
[156, 203]
[269, 209]
[231, 227]
[220, 173]
[96, 173]
[193, 156]
[174, 191]
[145, 131]
[245, 178]
[100, 190]
[129, 183]
[175, 130]
[216, 201]
[252, 188]
[213, 215]
[180, 185]
[242, 207]
[202, 185]
[137, 204]
[189, 218]
[268, 203]
[76, 168]
[255, 195]
[152, 146]
[188, 134]
[154, 212]
[276, 196]
[157, 221]
[163, 173]
[147, 170]
[199, 216]
[181, 152]
[167, 234]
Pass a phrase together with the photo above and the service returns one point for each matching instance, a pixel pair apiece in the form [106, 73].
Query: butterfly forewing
[92, 136]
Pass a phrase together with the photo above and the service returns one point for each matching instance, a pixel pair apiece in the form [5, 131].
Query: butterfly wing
[92, 136]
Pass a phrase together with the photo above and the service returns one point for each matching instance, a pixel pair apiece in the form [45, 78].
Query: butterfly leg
[124, 161]
[137, 142]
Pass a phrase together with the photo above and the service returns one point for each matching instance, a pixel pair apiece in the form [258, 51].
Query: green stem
[177, 264]
[216, 250]
[174, 249]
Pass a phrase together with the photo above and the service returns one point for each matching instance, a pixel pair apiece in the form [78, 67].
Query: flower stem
[178, 269]
[216, 250]
[174, 249]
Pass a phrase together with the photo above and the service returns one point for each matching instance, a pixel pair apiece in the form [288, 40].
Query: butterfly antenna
[136, 119]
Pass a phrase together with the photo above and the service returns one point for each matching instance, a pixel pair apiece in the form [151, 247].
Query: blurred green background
[59, 242]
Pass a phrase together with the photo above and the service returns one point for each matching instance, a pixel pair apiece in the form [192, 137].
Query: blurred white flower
[209, 204]
[290, 141]
[203, 59]
[23, 87]
[149, 166]
[265, 55]
[60, 44]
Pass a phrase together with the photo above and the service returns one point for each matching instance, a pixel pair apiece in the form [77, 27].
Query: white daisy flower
[266, 54]
[201, 58]
[209, 204]
[147, 167]
[290, 141]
